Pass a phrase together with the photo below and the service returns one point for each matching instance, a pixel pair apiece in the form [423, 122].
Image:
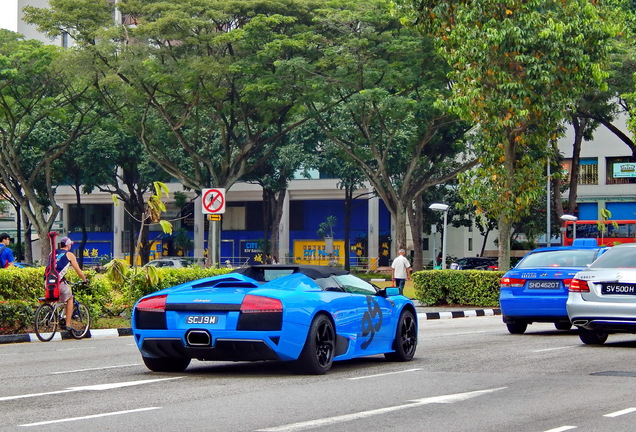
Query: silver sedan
[602, 298]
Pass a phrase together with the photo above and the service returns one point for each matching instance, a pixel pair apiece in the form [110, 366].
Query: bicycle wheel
[45, 322]
[81, 320]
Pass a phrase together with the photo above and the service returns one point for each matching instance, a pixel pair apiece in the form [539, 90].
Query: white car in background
[176, 262]
[602, 298]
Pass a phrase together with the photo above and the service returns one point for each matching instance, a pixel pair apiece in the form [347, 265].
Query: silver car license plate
[618, 288]
[202, 319]
[548, 284]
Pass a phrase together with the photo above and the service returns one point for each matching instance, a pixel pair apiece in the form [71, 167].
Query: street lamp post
[573, 219]
[443, 208]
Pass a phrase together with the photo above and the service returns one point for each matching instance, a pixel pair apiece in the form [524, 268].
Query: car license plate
[202, 319]
[548, 284]
[618, 288]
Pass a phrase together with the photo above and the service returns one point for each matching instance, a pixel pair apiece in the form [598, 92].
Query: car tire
[166, 364]
[405, 342]
[563, 325]
[592, 337]
[517, 327]
[317, 355]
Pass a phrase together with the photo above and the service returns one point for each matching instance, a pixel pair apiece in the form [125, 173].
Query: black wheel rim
[324, 344]
[408, 335]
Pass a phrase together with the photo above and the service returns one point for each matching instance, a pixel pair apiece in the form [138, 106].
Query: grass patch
[111, 322]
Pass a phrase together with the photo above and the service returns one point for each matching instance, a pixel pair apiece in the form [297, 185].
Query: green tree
[516, 68]
[337, 164]
[208, 77]
[43, 110]
[389, 127]
[123, 168]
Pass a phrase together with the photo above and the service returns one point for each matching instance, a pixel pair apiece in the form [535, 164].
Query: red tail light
[578, 285]
[507, 282]
[258, 304]
[153, 304]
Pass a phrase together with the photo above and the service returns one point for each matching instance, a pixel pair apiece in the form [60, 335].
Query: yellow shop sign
[313, 252]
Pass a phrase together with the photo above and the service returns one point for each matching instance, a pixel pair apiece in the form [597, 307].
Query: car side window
[329, 284]
[355, 285]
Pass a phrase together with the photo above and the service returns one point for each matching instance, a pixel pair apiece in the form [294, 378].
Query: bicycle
[50, 317]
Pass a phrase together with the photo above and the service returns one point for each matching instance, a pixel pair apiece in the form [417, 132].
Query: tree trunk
[272, 214]
[348, 204]
[579, 124]
[400, 229]
[503, 222]
[504, 243]
[416, 219]
[80, 210]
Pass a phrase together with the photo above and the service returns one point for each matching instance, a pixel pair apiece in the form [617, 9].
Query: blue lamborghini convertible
[308, 315]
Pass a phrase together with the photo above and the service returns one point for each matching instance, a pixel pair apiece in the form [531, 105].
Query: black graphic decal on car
[369, 328]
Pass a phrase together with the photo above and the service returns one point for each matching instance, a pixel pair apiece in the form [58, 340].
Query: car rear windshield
[559, 258]
[617, 257]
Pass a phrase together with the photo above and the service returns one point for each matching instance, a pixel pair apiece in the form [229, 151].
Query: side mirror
[392, 291]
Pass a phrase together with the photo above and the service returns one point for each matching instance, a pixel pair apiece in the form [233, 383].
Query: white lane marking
[561, 429]
[620, 413]
[383, 374]
[89, 417]
[88, 388]
[554, 349]
[452, 398]
[462, 333]
[94, 369]
[111, 386]
[76, 349]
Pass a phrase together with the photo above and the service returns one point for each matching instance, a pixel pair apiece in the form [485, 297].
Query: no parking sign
[213, 201]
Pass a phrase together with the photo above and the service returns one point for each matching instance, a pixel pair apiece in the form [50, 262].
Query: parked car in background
[176, 262]
[602, 298]
[475, 263]
[536, 289]
[310, 316]
[24, 265]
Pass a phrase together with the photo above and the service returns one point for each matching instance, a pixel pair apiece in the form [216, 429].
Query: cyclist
[64, 259]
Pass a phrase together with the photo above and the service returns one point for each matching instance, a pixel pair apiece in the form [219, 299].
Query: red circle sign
[214, 201]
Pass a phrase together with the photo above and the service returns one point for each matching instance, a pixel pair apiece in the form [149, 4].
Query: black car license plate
[618, 288]
[547, 284]
[202, 319]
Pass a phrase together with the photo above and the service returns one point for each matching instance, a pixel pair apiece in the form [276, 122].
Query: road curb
[127, 331]
[64, 335]
[458, 314]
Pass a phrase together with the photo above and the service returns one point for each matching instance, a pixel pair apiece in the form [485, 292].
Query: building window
[621, 170]
[234, 218]
[588, 170]
[470, 244]
[96, 217]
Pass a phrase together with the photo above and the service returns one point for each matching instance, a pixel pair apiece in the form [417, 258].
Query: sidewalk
[423, 313]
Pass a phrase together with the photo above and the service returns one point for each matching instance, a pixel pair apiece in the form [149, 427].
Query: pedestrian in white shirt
[400, 270]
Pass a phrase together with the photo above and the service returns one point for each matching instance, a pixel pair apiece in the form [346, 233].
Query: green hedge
[21, 288]
[462, 287]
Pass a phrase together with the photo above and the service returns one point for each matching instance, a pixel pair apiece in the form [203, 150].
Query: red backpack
[51, 275]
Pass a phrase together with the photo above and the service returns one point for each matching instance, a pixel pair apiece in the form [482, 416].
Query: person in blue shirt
[65, 259]
[6, 254]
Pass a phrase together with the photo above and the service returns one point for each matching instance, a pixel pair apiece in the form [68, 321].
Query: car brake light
[578, 285]
[507, 282]
[567, 282]
[153, 304]
[259, 304]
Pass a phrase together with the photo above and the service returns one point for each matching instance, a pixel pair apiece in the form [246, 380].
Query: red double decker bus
[614, 232]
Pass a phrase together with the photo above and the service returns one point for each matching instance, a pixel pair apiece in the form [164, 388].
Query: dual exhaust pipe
[198, 338]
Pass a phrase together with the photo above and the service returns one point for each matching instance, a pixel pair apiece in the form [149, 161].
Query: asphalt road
[469, 374]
